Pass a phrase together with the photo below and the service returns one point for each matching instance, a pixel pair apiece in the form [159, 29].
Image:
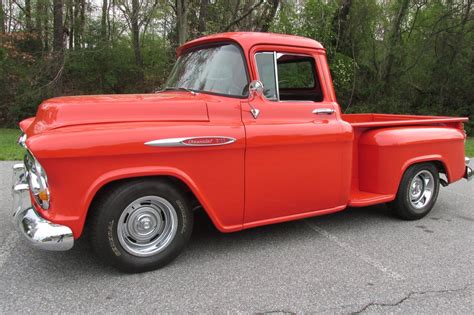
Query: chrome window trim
[275, 74]
[275, 63]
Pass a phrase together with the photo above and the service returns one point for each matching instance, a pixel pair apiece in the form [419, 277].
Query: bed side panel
[385, 154]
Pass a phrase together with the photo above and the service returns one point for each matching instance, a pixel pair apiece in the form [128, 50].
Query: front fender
[136, 172]
[80, 160]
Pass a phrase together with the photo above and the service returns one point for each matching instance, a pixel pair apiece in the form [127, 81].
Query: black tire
[403, 206]
[108, 209]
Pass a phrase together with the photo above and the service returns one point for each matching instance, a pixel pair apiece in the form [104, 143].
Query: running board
[363, 199]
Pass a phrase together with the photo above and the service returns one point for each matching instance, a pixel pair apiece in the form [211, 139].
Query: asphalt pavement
[358, 260]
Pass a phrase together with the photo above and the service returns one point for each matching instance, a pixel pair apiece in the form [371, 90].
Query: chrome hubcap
[421, 189]
[147, 226]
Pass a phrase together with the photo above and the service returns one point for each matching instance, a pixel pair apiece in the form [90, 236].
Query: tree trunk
[2, 18]
[39, 17]
[394, 40]
[45, 16]
[339, 22]
[111, 23]
[268, 16]
[70, 14]
[103, 21]
[29, 23]
[203, 17]
[58, 43]
[245, 20]
[10, 16]
[82, 22]
[77, 24]
[136, 33]
[182, 20]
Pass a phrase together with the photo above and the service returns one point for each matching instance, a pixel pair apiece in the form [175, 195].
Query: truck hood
[81, 110]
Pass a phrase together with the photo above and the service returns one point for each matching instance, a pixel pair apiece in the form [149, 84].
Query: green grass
[470, 147]
[11, 151]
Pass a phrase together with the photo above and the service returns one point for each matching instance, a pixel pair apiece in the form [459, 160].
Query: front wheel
[417, 193]
[141, 225]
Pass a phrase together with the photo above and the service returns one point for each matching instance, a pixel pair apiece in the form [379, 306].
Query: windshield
[216, 69]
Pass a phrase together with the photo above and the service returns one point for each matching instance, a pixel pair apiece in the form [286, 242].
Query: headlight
[22, 140]
[38, 180]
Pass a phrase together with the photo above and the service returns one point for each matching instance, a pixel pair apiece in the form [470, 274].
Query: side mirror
[255, 89]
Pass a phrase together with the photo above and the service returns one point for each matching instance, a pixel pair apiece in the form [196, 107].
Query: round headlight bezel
[22, 140]
[37, 180]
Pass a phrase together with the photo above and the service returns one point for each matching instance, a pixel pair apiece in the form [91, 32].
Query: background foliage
[406, 56]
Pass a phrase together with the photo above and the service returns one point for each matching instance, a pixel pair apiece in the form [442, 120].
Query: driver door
[294, 146]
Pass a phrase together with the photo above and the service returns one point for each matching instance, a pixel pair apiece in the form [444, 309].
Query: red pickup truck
[247, 129]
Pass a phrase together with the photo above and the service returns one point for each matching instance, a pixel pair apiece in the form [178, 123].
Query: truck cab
[246, 129]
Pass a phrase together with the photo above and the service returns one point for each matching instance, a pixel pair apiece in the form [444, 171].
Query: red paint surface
[287, 164]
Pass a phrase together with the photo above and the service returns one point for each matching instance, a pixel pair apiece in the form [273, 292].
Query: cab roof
[248, 39]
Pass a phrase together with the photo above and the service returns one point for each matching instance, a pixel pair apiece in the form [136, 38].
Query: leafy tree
[407, 56]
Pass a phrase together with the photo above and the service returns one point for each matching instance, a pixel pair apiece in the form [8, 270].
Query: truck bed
[363, 122]
[386, 120]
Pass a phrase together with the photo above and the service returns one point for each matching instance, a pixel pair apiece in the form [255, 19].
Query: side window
[295, 78]
[295, 73]
[266, 72]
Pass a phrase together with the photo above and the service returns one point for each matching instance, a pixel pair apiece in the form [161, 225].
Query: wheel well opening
[443, 174]
[176, 182]
[441, 168]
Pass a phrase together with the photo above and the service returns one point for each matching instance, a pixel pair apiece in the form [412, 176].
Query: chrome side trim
[204, 141]
[170, 142]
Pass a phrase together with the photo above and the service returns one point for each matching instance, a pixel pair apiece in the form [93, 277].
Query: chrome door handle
[323, 111]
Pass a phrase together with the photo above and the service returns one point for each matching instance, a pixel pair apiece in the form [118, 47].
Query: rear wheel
[417, 193]
[141, 225]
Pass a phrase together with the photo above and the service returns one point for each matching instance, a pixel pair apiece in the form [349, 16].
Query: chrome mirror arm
[255, 90]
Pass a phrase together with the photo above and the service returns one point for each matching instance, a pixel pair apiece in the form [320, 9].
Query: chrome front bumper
[39, 232]
[468, 174]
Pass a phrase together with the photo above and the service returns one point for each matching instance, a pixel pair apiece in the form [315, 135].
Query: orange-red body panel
[287, 164]
[385, 154]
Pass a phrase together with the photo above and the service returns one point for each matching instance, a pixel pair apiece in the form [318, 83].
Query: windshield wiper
[176, 88]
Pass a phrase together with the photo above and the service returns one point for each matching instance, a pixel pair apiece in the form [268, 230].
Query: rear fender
[385, 154]
[428, 158]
